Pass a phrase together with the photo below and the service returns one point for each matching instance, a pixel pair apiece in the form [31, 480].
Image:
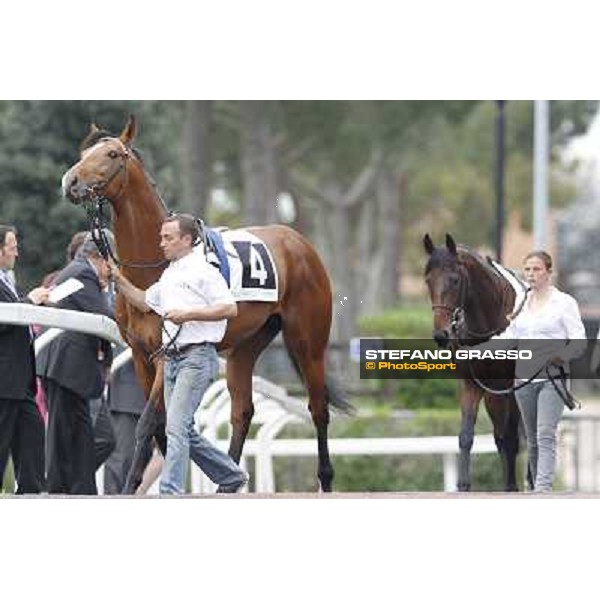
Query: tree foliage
[39, 141]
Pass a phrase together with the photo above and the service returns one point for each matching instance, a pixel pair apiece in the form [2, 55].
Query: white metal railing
[16, 313]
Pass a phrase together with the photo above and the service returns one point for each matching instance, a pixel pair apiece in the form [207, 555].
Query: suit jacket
[17, 358]
[125, 394]
[72, 359]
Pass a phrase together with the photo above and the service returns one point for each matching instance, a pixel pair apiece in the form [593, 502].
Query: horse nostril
[73, 182]
[441, 337]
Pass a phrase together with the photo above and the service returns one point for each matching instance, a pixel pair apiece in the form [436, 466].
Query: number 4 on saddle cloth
[245, 263]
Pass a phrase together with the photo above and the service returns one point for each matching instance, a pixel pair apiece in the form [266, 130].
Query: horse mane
[475, 264]
[472, 259]
[93, 137]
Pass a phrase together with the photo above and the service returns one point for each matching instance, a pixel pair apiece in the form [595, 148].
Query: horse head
[446, 279]
[102, 171]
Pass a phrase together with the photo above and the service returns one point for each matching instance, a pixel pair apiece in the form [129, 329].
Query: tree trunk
[388, 197]
[259, 172]
[369, 262]
[197, 156]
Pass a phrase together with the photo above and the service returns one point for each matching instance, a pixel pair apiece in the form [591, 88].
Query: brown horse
[110, 169]
[470, 303]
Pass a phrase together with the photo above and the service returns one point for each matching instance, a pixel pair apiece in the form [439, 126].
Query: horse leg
[469, 404]
[311, 366]
[144, 432]
[151, 424]
[240, 364]
[504, 414]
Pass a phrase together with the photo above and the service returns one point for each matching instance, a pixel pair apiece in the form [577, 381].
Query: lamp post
[500, 151]
[541, 158]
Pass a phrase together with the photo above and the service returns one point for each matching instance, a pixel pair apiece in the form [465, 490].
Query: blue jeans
[187, 377]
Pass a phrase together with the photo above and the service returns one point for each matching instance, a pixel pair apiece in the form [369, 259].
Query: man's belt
[175, 351]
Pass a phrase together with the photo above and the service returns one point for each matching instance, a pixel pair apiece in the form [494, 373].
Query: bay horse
[111, 170]
[470, 302]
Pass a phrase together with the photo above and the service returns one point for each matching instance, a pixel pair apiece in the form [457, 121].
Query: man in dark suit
[21, 424]
[74, 371]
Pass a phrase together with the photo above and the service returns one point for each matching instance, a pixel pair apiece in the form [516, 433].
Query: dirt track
[337, 496]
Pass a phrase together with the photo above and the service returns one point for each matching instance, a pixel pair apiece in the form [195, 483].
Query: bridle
[94, 206]
[458, 320]
[95, 203]
[95, 191]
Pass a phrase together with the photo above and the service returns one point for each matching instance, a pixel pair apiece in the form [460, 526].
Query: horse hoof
[464, 487]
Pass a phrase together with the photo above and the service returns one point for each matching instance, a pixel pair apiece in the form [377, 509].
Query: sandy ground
[335, 496]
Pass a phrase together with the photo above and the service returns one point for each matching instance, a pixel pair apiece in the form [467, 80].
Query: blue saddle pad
[215, 243]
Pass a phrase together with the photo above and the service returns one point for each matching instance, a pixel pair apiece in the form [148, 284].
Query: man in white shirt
[195, 303]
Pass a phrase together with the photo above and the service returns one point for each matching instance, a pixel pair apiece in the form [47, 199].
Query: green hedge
[409, 321]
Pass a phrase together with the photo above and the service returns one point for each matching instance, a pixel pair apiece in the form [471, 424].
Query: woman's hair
[543, 256]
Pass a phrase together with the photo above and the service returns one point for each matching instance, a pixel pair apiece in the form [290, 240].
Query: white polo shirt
[185, 283]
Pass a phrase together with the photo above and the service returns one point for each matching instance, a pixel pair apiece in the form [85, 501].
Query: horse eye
[113, 154]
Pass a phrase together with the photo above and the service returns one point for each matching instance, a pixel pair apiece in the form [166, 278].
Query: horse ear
[451, 244]
[93, 129]
[129, 131]
[428, 244]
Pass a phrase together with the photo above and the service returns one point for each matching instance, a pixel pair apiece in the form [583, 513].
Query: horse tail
[335, 398]
[333, 394]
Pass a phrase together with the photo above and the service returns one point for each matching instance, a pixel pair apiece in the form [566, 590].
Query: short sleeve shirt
[187, 282]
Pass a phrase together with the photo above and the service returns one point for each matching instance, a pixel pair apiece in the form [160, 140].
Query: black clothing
[21, 425]
[73, 371]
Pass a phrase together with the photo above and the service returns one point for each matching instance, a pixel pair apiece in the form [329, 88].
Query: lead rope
[566, 396]
[170, 344]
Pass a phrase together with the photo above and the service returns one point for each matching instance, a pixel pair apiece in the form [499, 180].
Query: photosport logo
[422, 359]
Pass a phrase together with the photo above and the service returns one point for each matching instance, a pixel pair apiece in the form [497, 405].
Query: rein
[565, 395]
[98, 222]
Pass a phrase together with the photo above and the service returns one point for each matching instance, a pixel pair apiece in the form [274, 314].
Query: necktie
[8, 281]
[11, 286]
